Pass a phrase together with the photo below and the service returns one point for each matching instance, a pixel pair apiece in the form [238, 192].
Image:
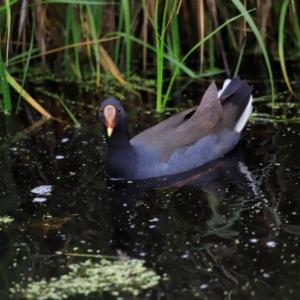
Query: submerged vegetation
[89, 39]
[116, 277]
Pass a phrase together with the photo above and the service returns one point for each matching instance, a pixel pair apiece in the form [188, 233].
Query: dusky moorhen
[185, 141]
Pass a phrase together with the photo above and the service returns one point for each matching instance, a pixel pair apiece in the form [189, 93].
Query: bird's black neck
[121, 156]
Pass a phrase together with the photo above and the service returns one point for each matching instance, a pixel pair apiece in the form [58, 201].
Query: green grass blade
[159, 57]
[75, 34]
[118, 41]
[67, 38]
[174, 40]
[26, 64]
[166, 97]
[260, 41]
[4, 87]
[20, 58]
[297, 29]
[95, 46]
[281, 28]
[15, 85]
[236, 72]
[160, 43]
[126, 12]
[4, 7]
[189, 72]
[68, 111]
[8, 23]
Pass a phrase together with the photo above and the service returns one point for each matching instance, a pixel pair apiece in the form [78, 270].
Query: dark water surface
[229, 230]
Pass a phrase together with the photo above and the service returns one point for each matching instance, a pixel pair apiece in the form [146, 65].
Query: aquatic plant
[88, 277]
[5, 220]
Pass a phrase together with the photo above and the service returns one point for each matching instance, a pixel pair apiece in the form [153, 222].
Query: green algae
[85, 278]
[5, 220]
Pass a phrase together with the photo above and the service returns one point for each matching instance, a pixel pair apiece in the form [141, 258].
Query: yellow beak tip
[109, 131]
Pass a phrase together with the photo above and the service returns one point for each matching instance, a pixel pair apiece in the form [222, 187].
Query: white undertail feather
[226, 82]
[246, 114]
[244, 117]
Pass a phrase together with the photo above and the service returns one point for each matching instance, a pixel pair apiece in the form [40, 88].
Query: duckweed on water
[85, 278]
[5, 220]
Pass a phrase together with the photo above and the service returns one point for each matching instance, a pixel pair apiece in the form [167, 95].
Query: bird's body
[184, 141]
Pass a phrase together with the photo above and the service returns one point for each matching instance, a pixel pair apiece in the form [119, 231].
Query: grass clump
[86, 278]
[193, 38]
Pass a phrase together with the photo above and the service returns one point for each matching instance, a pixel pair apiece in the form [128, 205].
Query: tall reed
[84, 37]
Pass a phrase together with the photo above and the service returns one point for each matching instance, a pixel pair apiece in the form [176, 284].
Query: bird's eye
[119, 109]
[101, 111]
